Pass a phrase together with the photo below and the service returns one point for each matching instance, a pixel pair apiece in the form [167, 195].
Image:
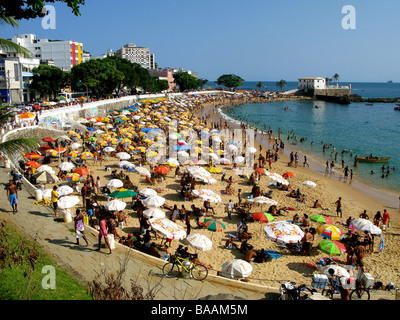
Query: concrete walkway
[57, 238]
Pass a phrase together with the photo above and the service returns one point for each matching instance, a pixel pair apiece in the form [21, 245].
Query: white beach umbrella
[154, 201]
[207, 194]
[75, 145]
[262, 200]
[66, 166]
[236, 268]
[115, 183]
[339, 271]
[47, 193]
[46, 168]
[239, 159]
[251, 150]
[123, 163]
[123, 155]
[309, 183]
[199, 170]
[283, 232]
[147, 192]
[168, 228]
[136, 117]
[365, 225]
[153, 212]
[183, 154]
[143, 171]
[64, 190]
[68, 202]
[199, 241]
[207, 180]
[115, 205]
[109, 149]
[172, 161]
[224, 161]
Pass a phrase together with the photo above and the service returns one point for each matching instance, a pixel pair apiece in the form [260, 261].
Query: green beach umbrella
[321, 219]
[333, 248]
[263, 216]
[214, 225]
[92, 139]
[123, 193]
[120, 120]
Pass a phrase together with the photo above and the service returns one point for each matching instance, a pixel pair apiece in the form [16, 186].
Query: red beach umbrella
[33, 164]
[44, 148]
[81, 171]
[33, 156]
[48, 139]
[288, 175]
[162, 170]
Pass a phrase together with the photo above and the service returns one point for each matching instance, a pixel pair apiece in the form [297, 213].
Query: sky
[259, 40]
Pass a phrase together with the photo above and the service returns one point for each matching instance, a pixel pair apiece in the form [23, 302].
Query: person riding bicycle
[341, 283]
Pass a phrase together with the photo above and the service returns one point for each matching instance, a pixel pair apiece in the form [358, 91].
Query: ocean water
[357, 127]
[363, 89]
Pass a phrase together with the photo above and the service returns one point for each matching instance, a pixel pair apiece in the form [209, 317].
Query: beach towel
[273, 254]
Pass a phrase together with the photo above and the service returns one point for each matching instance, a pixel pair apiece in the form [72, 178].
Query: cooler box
[367, 280]
[320, 281]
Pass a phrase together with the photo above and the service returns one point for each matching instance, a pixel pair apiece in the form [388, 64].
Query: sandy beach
[383, 266]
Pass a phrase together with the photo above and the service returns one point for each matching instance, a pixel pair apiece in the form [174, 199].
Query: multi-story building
[15, 77]
[164, 74]
[139, 55]
[64, 53]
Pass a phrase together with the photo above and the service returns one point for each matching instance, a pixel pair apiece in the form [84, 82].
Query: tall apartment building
[139, 55]
[64, 53]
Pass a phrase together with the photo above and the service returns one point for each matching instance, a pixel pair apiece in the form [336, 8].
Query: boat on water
[372, 159]
[397, 107]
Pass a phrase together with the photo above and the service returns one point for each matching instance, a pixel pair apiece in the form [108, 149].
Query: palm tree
[259, 85]
[336, 77]
[281, 84]
[328, 80]
[10, 46]
[11, 147]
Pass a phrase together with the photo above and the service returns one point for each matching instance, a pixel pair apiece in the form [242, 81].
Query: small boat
[372, 159]
[397, 107]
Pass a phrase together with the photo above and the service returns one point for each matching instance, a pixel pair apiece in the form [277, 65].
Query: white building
[311, 83]
[65, 54]
[139, 55]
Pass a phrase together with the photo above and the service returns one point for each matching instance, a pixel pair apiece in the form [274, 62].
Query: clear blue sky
[259, 40]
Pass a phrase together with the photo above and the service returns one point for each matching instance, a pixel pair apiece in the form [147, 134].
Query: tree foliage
[186, 81]
[231, 81]
[31, 9]
[281, 84]
[48, 80]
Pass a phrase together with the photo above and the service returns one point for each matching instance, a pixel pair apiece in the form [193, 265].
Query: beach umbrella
[154, 201]
[45, 177]
[74, 154]
[122, 193]
[365, 225]
[52, 152]
[45, 167]
[86, 155]
[123, 163]
[199, 241]
[214, 225]
[251, 150]
[82, 171]
[172, 162]
[236, 268]
[109, 149]
[277, 178]
[224, 161]
[168, 228]
[33, 156]
[26, 115]
[33, 164]
[263, 216]
[123, 155]
[48, 139]
[262, 200]
[147, 192]
[207, 194]
[198, 170]
[330, 232]
[309, 183]
[115, 205]
[75, 145]
[207, 180]
[154, 213]
[321, 218]
[239, 159]
[143, 171]
[161, 169]
[60, 149]
[73, 177]
[288, 175]
[333, 248]
[232, 147]
[64, 190]
[66, 166]
[115, 183]
[261, 171]
[283, 232]
[68, 202]
[44, 148]
[339, 271]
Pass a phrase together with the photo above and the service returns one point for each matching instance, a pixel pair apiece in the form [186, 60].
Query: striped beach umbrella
[52, 152]
[214, 225]
[330, 232]
[73, 177]
[86, 155]
[263, 216]
[74, 154]
[33, 156]
[321, 218]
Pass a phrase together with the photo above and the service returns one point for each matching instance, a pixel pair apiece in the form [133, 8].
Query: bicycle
[173, 268]
[288, 289]
[358, 293]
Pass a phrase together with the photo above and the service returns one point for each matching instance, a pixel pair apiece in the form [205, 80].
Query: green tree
[336, 77]
[328, 80]
[48, 80]
[281, 84]
[13, 146]
[230, 81]
[10, 46]
[201, 83]
[30, 9]
[259, 85]
[185, 81]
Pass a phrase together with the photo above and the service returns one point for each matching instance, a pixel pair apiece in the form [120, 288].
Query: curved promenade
[57, 238]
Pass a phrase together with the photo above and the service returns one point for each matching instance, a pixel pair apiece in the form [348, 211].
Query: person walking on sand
[79, 227]
[339, 207]
[103, 232]
[54, 200]
[12, 194]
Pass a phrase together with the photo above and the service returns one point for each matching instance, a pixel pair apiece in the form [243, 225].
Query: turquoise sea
[363, 129]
